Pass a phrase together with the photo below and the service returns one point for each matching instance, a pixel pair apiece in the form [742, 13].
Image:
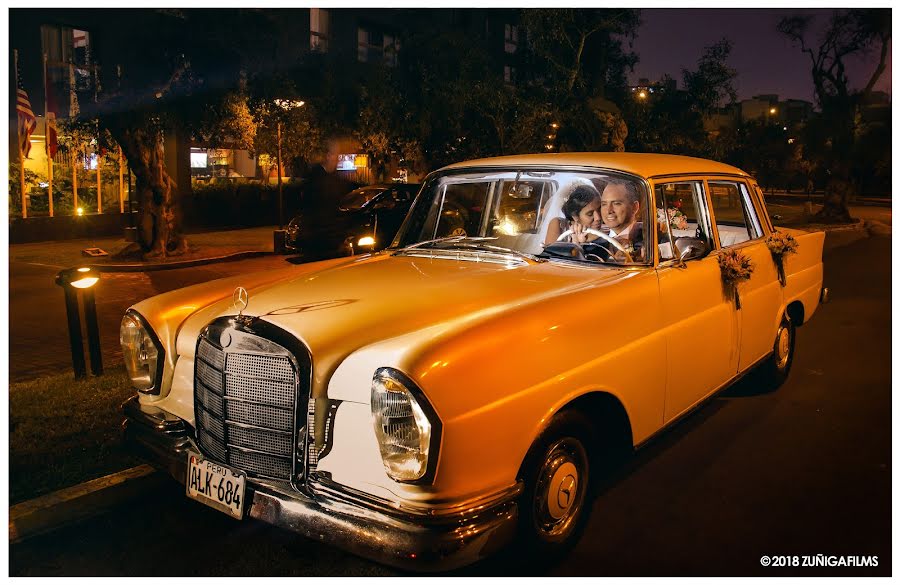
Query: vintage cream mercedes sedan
[535, 318]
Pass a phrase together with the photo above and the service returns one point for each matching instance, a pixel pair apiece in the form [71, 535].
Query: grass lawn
[64, 432]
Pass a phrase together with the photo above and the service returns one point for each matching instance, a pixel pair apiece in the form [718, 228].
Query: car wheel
[778, 366]
[555, 503]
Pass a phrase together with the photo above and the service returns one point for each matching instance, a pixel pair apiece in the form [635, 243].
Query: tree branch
[878, 70]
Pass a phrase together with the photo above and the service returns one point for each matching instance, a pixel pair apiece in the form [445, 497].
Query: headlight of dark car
[142, 352]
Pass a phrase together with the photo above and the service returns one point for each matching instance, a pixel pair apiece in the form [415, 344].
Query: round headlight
[142, 353]
[406, 427]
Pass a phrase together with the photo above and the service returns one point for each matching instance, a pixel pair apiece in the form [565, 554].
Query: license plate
[216, 485]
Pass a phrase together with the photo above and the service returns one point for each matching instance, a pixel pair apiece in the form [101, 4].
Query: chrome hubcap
[783, 346]
[564, 485]
[559, 493]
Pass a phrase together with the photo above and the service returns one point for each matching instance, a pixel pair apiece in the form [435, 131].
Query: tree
[578, 62]
[671, 120]
[168, 72]
[858, 32]
[712, 84]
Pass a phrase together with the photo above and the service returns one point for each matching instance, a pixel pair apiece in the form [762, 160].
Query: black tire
[556, 502]
[776, 369]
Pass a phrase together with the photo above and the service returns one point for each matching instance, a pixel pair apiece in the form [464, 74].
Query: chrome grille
[246, 397]
[260, 366]
[210, 377]
[260, 415]
[260, 463]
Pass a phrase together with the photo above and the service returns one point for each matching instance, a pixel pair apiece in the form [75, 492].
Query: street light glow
[772, 110]
[642, 94]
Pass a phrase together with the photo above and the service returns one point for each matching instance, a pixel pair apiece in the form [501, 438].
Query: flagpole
[19, 143]
[75, 145]
[47, 139]
[121, 183]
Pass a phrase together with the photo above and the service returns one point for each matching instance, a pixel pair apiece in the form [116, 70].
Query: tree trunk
[834, 207]
[159, 226]
[839, 186]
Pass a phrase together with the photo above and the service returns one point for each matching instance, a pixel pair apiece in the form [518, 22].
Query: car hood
[347, 305]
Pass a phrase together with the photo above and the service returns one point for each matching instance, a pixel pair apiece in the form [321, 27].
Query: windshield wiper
[470, 243]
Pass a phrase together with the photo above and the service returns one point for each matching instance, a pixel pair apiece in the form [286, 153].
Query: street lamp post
[72, 280]
[287, 106]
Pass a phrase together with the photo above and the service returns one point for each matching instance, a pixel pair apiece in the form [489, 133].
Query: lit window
[511, 38]
[318, 30]
[364, 40]
[391, 48]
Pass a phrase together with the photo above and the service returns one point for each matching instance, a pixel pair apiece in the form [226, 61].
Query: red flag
[52, 142]
[27, 121]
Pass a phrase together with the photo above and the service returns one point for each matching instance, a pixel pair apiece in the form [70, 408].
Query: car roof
[642, 164]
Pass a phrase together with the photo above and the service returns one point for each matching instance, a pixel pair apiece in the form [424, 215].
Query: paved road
[802, 471]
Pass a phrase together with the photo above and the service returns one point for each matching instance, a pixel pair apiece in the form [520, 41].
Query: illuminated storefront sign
[351, 162]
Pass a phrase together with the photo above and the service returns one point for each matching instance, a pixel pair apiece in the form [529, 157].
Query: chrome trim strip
[256, 428]
[257, 452]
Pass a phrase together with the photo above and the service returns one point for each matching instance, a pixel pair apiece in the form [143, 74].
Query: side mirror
[690, 248]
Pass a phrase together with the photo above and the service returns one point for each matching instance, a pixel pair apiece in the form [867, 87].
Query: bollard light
[72, 280]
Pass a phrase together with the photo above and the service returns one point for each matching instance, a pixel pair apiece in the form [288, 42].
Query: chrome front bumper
[323, 513]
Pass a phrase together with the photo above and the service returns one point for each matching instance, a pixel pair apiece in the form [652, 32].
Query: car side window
[461, 210]
[736, 218]
[682, 219]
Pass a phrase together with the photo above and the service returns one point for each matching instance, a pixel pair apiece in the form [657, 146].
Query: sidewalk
[816, 198]
[205, 247]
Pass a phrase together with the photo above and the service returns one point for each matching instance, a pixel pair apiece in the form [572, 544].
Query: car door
[738, 225]
[699, 319]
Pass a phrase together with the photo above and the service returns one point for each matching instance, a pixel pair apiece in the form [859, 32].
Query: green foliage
[712, 84]
[580, 52]
[65, 431]
[671, 120]
[840, 147]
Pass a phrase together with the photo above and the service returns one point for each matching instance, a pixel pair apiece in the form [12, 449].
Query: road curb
[55, 510]
[148, 267]
[858, 225]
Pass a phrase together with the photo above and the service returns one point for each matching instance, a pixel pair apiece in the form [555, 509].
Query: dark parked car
[365, 220]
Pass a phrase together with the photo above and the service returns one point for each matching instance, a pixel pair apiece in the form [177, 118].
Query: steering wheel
[599, 234]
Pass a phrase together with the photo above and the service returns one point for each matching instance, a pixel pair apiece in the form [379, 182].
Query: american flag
[27, 122]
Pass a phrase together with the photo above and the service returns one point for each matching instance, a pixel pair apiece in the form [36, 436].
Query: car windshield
[590, 217]
[358, 197]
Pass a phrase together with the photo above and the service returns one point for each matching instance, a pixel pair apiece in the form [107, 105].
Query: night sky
[672, 39]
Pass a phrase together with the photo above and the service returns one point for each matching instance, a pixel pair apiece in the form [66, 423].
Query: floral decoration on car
[736, 267]
[780, 244]
[677, 219]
